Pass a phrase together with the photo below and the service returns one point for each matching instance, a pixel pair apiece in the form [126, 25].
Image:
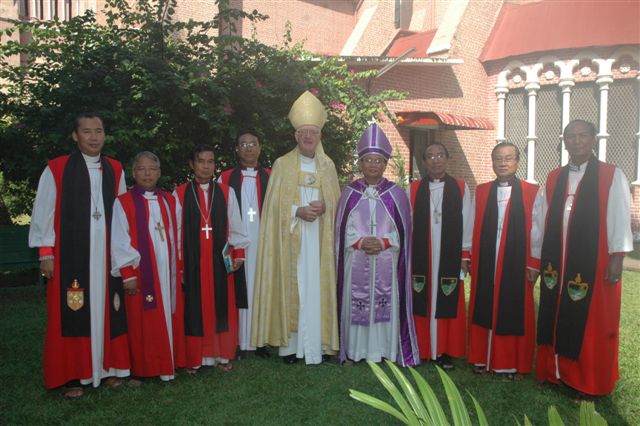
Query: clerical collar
[143, 191]
[204, 185]
[306, 159]
[576, 168]
[510, 182]
[91, 159]
[436, 180]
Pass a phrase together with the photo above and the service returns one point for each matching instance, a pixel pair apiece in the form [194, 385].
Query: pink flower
[228, 109]
[258, 84]
[337, 105]
[352, 71]
[314, 91]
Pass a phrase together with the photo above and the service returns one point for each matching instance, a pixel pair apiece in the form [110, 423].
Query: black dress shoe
[326, 358]
[444, 361]
[263, 352]
[290, 359]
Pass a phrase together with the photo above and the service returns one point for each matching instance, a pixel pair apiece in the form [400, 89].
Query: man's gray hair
[145, 154]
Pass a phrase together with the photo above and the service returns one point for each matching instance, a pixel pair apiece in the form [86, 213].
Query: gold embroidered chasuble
[275, 297]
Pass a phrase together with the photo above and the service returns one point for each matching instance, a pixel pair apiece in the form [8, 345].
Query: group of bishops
[144, 282]
[401, 265]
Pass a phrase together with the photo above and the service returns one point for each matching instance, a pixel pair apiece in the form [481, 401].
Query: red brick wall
[458, 89]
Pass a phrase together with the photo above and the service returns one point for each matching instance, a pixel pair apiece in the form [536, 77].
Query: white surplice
[123, 254]
[307, 341]
[42, 234]
[378, 339]
[436, 189]
[619, 236]
[251, 222]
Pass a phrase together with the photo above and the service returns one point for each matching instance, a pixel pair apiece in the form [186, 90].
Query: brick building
[475, 72]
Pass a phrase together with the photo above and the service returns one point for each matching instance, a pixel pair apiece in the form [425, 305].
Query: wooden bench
[15, 253]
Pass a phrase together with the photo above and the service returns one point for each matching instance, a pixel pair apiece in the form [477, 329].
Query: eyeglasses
[370, 160]
[503, 159]
[248, 145]
[438, 156]
[307, 132]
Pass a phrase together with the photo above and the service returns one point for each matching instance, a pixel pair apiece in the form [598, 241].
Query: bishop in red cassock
[86, 337]
[586, 217]
[442, 229]
[249, 182]
[501, 309]
[213, 242]
[144, 252]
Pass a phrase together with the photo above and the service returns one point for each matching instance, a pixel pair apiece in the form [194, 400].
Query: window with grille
[622, 126]
[548, 131]
[516, 122]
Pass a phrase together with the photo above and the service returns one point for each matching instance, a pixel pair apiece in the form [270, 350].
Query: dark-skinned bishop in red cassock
[249, 181]
[209, 218]
[586, 216]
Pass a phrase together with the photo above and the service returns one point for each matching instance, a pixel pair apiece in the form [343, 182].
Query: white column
[566, 83]
[637, 181]
[605, 77]
[532, 86]
[501, 95]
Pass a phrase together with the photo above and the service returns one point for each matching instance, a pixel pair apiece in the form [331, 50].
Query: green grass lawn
[268, 392]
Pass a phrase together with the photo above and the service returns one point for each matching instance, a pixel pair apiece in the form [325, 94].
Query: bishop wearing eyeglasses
[373, 242]
[249, 181]
[295, 290]
[442, 231]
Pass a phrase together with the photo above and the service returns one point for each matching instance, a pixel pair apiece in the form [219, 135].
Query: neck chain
[437, 214]
[195, 195]
[96, 214]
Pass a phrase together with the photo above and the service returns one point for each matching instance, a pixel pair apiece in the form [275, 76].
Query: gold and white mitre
[307, 110]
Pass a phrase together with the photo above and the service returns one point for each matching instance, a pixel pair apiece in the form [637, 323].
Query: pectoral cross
[160, 229]
[436, 216]
[251, 213]
[372, 228]
[96, 215]
[206, 230]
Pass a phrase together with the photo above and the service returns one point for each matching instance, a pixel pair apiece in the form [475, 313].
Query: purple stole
[392, 210]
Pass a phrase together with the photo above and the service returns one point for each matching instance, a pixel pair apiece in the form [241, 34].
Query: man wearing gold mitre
[295, 289]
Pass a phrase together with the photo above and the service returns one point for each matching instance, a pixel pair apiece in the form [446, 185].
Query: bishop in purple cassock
[373, 239]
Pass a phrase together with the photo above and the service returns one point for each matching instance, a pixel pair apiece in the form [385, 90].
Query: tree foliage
[164, 85]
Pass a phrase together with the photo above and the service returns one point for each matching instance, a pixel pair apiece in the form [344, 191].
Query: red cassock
[69, 358]
[191, 350]
[595, 372]
[149, 344]
[506, 352]
[451, 331]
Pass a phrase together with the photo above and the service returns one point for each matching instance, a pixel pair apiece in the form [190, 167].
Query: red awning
[442, 120]
[405, 40]
[553, 24]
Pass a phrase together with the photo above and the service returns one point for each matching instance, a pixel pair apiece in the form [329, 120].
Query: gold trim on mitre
[307, 110]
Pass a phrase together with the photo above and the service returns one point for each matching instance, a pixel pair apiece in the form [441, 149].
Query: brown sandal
[73, 392]
[112, 383]
[225, 367]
